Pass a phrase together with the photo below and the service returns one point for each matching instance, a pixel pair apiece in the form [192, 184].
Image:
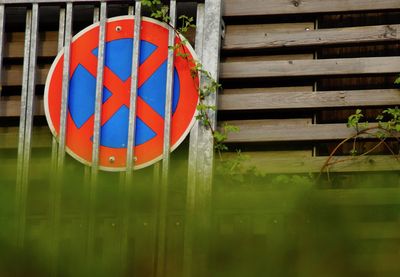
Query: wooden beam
[12, 76]
[293, 68]
[47, 45]
[245, 37]
[281, 165]
[258, 99]
[274, 7]
[271, 130]
[11, 106]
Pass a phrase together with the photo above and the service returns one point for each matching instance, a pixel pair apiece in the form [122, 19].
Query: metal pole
[64, 37]
[201, 150]
[61, 35]
[130, 158]
[188, 253]
[2, 19]
[163, 196]
[96, 131]
[65, 88]
[26, 119]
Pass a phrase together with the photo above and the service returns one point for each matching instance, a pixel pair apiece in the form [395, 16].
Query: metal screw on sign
[152, 72]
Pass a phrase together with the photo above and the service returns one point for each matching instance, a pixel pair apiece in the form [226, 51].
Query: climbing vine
[208, 84]
[387, 126]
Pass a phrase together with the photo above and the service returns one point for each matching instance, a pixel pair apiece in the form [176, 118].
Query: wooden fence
[294, 70]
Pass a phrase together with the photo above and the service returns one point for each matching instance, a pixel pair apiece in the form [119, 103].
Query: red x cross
[121, 92]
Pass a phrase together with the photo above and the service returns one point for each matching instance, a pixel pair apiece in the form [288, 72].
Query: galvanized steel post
[26, 119]
[130, 156]
[201, 150]
[65, 88]
[96, 132]
[2, 20]
[163, 190]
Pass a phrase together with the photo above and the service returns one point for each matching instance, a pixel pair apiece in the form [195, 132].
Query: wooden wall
[293, 71]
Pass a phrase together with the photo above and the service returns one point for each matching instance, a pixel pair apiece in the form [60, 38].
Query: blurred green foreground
[285, 225]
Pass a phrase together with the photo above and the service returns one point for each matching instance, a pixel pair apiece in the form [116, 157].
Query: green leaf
[397, 81]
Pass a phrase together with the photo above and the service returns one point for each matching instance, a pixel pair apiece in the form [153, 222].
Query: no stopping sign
[116, 93]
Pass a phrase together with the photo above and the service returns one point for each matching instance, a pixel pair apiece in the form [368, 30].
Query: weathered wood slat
[274, 7]
[244, 37]
[47, 45]
[270, 131]
[13, 76]
[295, 68]
[257, 99]
[268, 165]
[292, 57]
[10, 106]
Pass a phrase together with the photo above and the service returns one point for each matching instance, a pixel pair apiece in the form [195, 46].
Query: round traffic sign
[116, 93]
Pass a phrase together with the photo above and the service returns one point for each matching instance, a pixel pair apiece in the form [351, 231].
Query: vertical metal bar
[131, 10]
[64, 38]
[26, 118]
[97, 128]
[65, 87]
[21, 138]
[61, 35]
[192, 163]
[2, 19]
[130, 159]
[24, 92]
[315, 89]
[201, 150]
[163, 196]
[96, 14]
[99, 91]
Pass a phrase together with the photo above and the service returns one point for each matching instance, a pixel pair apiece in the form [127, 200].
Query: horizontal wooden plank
[293, 68]
[11, 105]
[245, 37]
[47, 44]
[268, 165]
[273, 7]
[258, 99]
[270, 131]
[292, 57]
[271, 89]
[41, 137]
[12, 76]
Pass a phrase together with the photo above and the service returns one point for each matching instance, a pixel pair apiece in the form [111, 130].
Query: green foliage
[157, 9]
[186, 24]
[208, 85]
[221, 135]
[393, 119]
[354, 121]
[397, 81]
